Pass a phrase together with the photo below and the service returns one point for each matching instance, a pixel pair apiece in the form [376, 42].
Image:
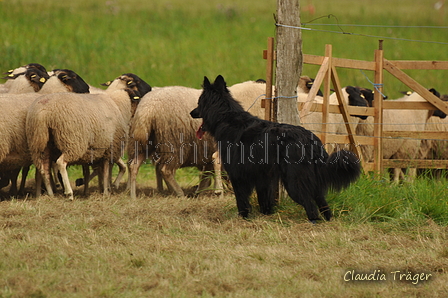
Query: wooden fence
[327, 75]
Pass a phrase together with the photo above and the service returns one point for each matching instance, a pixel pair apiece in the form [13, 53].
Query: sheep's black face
[37, 78]
[437, 113]
[73, 82]
[355, 98]
[36, 66]
[135, 83]
[309, 85]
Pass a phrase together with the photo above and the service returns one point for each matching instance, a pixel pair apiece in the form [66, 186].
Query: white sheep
[162, 131]
[335, 122]
[31, 80]
[17, 72]
[435, 149]
[70, 128]
[397, 120]
[14, 152]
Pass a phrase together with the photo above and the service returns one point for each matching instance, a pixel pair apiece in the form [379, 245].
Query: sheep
[398, 120]
[435, 149]
[14, 152]
[68, 128]
[250, 93]
[335, 122]
[14, 73]
[30, 81]
[163, 131]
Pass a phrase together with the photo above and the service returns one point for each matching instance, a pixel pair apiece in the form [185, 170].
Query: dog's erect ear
[206, 83]
[220, 82]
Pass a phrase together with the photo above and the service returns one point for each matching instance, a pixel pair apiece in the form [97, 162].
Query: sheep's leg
[14, 176]
[411, 174]
[56, 181]
[43, 172]
[168, 175]
[106, 177]
[219, 189]
[134, 166]
[159, 178]
[205, 179]
[38, 181]
[397, 173]
[122, 169]
[61, 165]
[86, 174]
[25, 171]
[100, 174]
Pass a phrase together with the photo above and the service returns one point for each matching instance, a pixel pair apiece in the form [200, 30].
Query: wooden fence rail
[328, 74]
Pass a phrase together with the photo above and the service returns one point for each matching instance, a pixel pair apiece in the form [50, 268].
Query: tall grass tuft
[407, 204]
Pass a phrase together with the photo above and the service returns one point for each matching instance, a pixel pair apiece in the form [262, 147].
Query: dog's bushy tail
[343, 167]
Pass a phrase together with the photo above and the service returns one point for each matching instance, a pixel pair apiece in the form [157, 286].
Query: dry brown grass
[164, 246]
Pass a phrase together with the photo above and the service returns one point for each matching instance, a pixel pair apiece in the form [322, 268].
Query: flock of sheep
[55, 119]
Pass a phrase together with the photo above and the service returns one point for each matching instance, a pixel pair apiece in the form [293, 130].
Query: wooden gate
[327, 75]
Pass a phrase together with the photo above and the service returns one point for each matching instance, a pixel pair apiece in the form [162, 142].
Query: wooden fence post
[327, 87]
[378, 105]
[289, 61]
[267, 103]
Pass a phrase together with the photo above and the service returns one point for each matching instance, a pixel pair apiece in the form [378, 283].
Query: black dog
[257, 153]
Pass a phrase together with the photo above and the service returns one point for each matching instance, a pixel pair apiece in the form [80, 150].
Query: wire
[376, 26]
[359, 34]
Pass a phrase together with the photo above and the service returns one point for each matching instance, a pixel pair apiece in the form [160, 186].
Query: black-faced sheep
[31, 80]
[14, 152]
[335, 122]
[398, 120]
[436, 149]
[90, 129]
[17, 72]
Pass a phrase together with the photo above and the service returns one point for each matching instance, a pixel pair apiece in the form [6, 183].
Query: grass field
[159, 245]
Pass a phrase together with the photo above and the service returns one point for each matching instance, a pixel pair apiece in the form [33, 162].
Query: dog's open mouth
[200, 132]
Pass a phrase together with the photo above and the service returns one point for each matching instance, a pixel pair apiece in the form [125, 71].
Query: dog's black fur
[257, 153]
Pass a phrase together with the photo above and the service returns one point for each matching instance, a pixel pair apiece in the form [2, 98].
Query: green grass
[178, 42]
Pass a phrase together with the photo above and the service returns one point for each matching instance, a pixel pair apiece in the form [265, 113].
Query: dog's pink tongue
[200, 133]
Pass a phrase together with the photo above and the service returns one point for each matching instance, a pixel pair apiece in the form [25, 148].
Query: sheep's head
[13, 73]
[36, 77]
[306, 83]
[356, 98]
[129, 81]
[71, 80]
[438, 113]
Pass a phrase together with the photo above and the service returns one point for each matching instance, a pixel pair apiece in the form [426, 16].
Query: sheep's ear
[133, 95]
[106, 84]
[13, 76]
